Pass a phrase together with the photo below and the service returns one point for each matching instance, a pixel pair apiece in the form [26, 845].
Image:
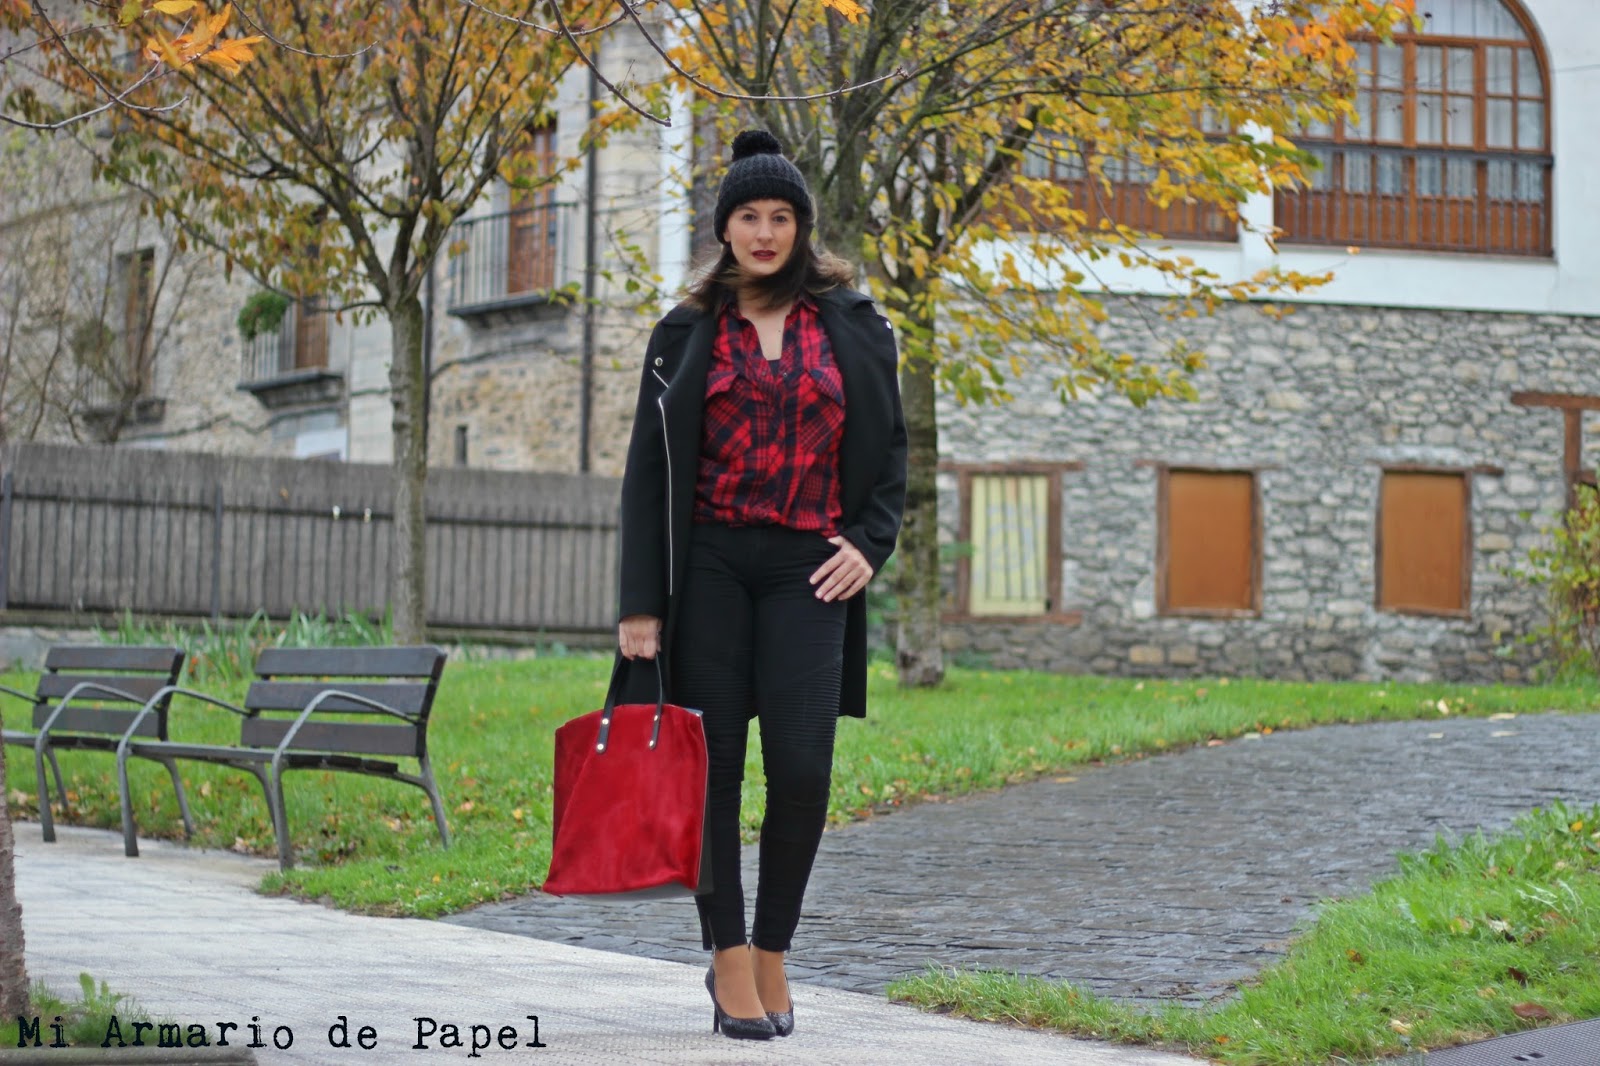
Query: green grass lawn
[370, 846]
[1466, 942]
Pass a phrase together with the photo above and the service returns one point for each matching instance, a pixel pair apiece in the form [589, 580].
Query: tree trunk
[407, 393]
[919, 649]
[13, 966]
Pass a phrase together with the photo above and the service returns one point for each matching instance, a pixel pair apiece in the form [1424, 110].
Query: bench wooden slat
[159, 659]
[408, 697]
[217, 753]
[54, 686]
[76, 719]
[423, 660]
[356, 738]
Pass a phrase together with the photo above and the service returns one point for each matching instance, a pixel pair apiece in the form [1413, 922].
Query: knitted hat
[760, 172]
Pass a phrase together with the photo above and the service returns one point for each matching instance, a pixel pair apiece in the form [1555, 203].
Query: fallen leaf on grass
[1516, 975]
[1215, 743]
[1355, 956]
[1532, 1012]
[1399, 1026]
[1444, 708]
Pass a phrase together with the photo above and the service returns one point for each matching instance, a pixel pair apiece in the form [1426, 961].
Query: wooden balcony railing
[1432, 200]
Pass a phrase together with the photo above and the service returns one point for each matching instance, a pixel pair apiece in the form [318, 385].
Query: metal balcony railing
[511, 255]
[300, 343]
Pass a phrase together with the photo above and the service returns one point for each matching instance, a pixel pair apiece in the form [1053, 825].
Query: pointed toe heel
[737, 1028]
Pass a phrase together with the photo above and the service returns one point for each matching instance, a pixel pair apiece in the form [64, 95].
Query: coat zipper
[661, 405]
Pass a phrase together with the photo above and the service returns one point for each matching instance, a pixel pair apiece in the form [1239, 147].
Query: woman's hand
[844, 575]
[639, 636]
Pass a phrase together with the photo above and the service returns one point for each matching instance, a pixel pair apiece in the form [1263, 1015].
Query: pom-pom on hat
[759, 171]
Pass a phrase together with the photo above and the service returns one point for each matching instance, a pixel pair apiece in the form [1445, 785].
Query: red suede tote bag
[630, 800]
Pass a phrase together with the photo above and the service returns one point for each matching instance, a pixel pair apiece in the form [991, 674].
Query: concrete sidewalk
[183, 932]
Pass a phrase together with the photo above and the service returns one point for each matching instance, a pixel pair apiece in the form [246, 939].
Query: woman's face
[762, 234]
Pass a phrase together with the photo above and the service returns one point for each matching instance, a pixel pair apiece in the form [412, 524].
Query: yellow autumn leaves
[202, 40]
[848, 8]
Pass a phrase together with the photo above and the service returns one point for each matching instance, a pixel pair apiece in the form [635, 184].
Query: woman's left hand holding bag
[639, 636]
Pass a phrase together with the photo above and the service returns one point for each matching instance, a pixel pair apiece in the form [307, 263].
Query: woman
[764, 487]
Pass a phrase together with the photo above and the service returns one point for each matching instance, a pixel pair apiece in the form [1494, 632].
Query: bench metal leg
[432, 790]
[183, 801]
[130, 832]
[55, 767]
[46, 818]
[280, 817]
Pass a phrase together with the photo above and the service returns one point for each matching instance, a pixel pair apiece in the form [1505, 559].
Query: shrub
[1568, 569]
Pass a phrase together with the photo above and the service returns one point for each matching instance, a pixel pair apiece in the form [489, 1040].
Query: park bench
[89, 698]
[297, 715]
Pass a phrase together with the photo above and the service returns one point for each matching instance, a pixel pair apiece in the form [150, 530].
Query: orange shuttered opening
[1211, 541]
[1422, 552]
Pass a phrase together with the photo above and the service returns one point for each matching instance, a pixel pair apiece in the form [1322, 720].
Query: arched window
[1452, 150]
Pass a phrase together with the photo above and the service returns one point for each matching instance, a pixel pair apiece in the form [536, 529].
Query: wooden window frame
[1465, 473]
[1572, 406]
[965, 472]
[1164, 607]
[1413, 220]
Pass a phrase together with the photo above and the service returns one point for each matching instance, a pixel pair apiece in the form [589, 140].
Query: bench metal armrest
[82, 686]
[163, 693]
[317, 701]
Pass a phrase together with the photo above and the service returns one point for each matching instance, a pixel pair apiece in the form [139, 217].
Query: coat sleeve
[643, 516]
[878, 525]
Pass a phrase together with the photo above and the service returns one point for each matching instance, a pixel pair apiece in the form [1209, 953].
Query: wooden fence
[103, 530]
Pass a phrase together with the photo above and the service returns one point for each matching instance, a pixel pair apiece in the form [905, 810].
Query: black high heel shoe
[738, 1028]
[783, 1020]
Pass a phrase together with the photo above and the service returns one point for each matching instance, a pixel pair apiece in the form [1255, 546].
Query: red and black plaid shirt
[769, 449]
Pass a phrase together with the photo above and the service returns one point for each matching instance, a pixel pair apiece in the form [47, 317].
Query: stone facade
[1318, 404]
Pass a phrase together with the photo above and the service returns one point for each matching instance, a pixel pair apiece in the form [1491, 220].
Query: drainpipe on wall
[586, 385]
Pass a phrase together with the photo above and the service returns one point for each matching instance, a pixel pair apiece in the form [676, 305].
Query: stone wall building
[507, 354]
[1346, 497]
[1343, 500]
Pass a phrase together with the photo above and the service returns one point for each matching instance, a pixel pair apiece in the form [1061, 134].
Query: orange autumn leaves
[202, 39]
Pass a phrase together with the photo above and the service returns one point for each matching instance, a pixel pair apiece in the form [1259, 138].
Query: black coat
[663, 461]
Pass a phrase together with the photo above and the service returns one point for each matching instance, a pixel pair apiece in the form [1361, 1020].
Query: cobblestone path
[1169, 877]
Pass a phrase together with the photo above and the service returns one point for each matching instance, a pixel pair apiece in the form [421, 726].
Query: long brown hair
[809, 269]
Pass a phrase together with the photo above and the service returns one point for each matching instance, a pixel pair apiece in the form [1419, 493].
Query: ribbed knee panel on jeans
[754, 641]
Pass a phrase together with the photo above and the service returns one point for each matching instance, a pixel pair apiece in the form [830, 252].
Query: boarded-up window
[1010, 536]
[1424, 534]
[1209, 555]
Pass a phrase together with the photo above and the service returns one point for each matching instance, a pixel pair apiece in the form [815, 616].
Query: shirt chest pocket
[722, 382]
[823, 385]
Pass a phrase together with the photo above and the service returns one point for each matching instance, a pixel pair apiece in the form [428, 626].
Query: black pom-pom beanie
[759, 171]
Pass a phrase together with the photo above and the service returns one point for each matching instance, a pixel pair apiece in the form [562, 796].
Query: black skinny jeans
[753, 641]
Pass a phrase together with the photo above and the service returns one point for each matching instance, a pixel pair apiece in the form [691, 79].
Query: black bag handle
[611, 701]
